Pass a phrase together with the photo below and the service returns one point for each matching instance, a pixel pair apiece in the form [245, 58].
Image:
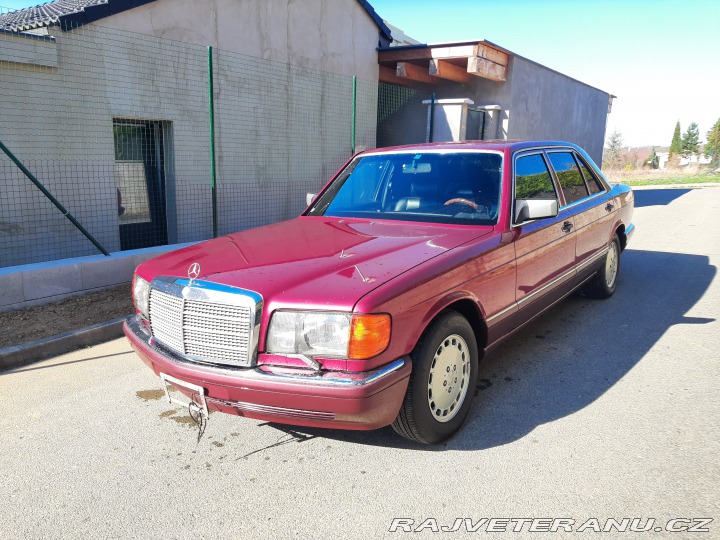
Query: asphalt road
[600, 409]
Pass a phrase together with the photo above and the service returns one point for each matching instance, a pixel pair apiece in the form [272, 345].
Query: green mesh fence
[116, 126]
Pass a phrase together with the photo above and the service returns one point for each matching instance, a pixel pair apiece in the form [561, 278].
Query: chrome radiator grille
[204, 321]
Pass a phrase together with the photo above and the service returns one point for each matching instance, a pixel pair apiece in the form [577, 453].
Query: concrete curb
[42, 349]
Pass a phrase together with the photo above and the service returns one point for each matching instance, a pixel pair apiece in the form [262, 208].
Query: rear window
[591, 180]
[569, 175]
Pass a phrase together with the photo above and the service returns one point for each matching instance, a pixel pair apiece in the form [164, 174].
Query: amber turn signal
[369, 336]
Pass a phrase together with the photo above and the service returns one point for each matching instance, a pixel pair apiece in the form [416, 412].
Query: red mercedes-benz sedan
[375, 306]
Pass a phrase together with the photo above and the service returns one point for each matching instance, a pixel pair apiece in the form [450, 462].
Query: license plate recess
[197, 392]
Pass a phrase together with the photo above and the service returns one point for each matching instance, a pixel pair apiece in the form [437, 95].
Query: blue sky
[660, 57]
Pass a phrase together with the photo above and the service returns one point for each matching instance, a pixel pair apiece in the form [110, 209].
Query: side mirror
[527, 209]
[309, 198]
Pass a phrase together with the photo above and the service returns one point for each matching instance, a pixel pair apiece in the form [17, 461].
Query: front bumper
[303, 397]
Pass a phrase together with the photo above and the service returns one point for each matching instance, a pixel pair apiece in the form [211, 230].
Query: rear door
[544, 248]
[585, 199]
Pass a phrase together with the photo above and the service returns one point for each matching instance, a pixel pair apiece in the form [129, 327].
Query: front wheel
[604, 283]
[440, 391]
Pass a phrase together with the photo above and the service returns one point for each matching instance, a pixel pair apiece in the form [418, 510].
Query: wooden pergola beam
[446, 70]
[483, 60]
[449, 52]
[483, 50]
[425, 53]
[415, 73]
[389, 76]
[487, 69]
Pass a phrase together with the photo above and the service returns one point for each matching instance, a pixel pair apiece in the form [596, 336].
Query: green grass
[665, 178]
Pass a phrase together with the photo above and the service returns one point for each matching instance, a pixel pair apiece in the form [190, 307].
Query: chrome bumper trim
[629, 231]
[265, 372]
[269, 409]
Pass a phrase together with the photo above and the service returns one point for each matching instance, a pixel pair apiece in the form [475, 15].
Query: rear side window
[592, 182]
[532, 178]
[569, 176]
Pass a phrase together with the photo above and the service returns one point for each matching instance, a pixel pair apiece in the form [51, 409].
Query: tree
[653, 160]
[712, 148]
[676, 144]
[613, 148]
[691, 141]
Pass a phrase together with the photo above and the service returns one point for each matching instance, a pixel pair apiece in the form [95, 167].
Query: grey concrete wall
[539, 103]
[550, 105]
[59, 123]
[36, 284]
[337, 36]
[281, 130]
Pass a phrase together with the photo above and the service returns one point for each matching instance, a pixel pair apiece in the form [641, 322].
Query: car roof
[500, 145]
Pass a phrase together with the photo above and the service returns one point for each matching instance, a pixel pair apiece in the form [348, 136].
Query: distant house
[698, 159]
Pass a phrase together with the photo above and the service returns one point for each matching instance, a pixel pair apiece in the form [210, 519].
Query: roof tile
[44, 14]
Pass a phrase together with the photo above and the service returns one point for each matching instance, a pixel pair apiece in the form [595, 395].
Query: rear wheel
[604, 283]
[439, 394]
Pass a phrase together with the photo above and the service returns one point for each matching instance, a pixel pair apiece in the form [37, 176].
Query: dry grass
[691, 174]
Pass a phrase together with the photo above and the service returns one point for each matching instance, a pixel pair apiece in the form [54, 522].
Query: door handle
[609, 207]
[567, 226]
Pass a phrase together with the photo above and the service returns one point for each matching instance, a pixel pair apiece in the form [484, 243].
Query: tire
[445, 358]
[604, 283]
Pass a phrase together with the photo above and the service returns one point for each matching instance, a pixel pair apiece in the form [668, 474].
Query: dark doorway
[140, 155]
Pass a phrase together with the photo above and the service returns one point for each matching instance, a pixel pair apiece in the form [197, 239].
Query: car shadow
[569, 357]
[658, 197]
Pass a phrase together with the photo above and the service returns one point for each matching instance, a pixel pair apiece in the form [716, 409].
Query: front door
[544, 248]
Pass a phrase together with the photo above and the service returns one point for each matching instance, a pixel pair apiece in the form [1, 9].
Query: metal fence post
[432, 117]
[211, 104]
[354, 111]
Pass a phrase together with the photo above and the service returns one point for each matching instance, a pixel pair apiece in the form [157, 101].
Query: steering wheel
[471, 204]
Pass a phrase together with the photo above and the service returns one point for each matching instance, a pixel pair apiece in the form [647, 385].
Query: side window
[569, 176]
[592, 182]
[532, 178]
[362, 185]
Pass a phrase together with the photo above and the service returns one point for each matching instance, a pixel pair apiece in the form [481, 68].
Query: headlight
[314, 333]
[141, 295]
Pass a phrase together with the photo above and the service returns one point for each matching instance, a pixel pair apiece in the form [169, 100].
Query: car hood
[316, 262]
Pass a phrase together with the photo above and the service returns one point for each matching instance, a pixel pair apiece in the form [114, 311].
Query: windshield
[462, 187]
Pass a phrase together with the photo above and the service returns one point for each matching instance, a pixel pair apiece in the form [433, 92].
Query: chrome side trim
[137, 325]
[563, 277]
[592, 259]
[584, 200]
[501, 313]
[528, 297]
